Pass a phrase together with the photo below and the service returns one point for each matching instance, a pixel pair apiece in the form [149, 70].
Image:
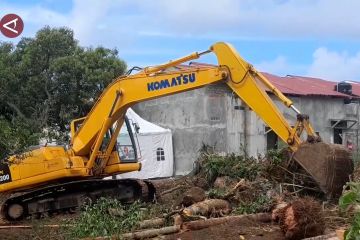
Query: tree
[47, 81]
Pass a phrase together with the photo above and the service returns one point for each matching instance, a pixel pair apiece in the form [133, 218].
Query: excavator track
[68, 196]
[3, 198]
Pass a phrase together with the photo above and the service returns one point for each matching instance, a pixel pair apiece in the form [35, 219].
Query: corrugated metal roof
[304, 86]
[298, 85]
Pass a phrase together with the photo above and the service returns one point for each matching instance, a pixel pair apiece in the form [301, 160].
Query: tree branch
[16, 109]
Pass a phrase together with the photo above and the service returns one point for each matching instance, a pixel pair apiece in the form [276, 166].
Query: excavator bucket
[329, 164]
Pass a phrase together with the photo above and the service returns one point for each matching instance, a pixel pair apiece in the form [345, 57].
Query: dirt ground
[234, 230]
[241, 229]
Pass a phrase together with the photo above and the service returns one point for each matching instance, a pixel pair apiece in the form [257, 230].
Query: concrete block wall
[214, 116]
[196, 117]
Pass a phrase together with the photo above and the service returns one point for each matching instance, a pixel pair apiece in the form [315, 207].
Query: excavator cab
[127, 143]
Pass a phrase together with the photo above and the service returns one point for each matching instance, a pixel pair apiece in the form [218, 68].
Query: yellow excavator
[57, 178]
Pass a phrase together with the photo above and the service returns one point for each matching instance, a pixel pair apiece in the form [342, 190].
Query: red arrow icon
[11, 25]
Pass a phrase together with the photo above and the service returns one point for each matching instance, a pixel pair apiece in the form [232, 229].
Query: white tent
[154, 148]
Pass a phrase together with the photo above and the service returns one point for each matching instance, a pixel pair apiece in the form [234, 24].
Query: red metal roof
[298, 85]
[305, 86]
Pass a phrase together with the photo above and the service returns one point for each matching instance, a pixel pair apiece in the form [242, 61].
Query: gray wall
[214, 116]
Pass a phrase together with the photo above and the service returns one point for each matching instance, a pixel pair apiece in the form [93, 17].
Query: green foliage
[96, 219]
[260, 204]
[354, 232]
[47, 81]
[232, 165]
[216, 193]
[275, 156]
[24, 136]
[352, 198]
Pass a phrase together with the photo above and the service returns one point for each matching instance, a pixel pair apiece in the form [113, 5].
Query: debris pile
[228, 187]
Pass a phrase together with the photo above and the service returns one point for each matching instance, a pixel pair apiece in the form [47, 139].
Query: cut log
[151, 223]
[208, 207]
[178, 221]
[149, 233]
[200, 224]
[31, 226]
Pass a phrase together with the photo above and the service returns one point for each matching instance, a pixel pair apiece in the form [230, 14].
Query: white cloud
[246, 18]
[280, 66]
[326, 64]
[335, 65]
[94, 20]
[86, 18]
[128, 24]
[43, 16]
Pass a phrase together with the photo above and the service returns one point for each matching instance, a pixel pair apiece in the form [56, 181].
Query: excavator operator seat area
[126, 145]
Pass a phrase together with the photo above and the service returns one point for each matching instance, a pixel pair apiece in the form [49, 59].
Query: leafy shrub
[275, 156]
[350, 199]
[232, 165]
[261, 204]
[97, 219]
[216, 193]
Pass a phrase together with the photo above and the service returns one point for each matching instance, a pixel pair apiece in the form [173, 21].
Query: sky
[318, 38]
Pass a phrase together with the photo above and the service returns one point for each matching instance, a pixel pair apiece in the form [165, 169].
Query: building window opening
[272, 140]
[338, 136]
[160, 154]
[338, 126]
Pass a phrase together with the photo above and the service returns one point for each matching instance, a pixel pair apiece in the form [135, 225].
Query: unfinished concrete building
[214, 116]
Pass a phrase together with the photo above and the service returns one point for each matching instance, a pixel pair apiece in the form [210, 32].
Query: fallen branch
[299, 186]
[149, 233]
[200, 224]
[173, 213]
[31, 226]
[156, 222]
[171, 190]
[240, 185]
